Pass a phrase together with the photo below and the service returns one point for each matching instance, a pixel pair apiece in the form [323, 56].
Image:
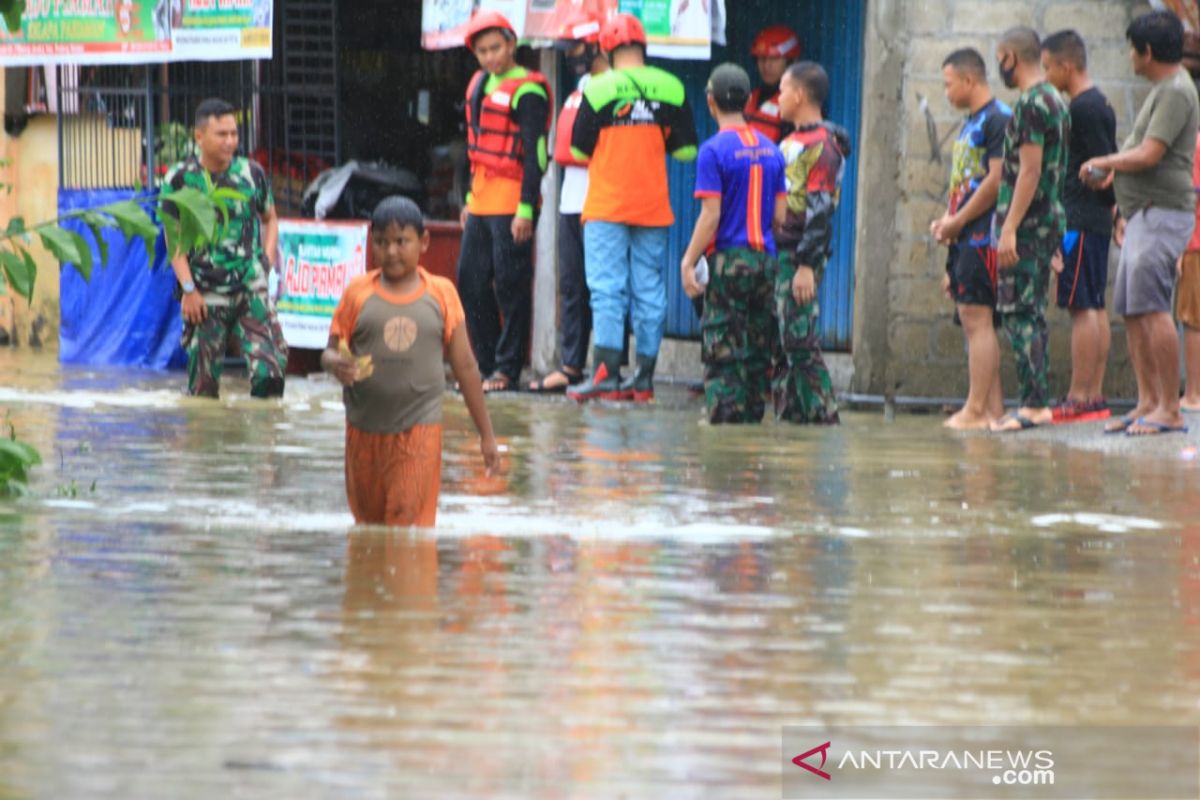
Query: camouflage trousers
[738, 330]
[801, 385]
[248, 316]
[1021, 307]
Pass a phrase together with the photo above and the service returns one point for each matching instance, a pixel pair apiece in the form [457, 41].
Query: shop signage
[138, 32]
[317, 259]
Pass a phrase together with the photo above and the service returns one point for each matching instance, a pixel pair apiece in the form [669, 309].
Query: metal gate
[832, 32]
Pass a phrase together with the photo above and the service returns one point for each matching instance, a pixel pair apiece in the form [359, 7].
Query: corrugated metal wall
[832, 31]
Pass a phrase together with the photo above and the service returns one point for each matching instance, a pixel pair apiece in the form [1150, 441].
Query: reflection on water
[633, 610]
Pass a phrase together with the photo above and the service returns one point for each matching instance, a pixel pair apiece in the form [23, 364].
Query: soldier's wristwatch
[189, 287]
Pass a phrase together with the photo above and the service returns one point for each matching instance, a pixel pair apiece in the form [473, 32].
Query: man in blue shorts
[970, 280]
[1082, 266]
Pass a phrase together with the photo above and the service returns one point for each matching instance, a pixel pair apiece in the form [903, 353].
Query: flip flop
[501, 378]
[1156, 428]
[539, 386]
[1119, 425]
[1023, 421]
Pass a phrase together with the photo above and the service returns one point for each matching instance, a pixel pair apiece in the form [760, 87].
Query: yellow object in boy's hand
[364, 366]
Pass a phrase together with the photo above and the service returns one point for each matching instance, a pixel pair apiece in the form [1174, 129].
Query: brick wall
[915, 349]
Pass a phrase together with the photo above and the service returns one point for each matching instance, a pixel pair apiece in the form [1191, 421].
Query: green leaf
[84, 265]
[133, 220]
[60, 244]
[96, 224]
[16, 226]
[30, 267]
[17, 274]
[12, 11]
[197, 216]
[14, 451]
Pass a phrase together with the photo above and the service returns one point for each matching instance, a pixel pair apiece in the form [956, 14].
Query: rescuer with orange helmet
[774, 48]
[508, 118]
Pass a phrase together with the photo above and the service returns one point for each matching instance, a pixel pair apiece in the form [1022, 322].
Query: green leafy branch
[12, 10]
[191, 220]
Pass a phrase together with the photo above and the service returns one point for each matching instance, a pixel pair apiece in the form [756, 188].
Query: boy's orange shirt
[406, 336]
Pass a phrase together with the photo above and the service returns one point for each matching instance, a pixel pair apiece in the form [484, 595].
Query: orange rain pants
[394, 478]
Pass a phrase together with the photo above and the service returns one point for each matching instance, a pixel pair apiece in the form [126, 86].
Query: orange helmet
[487, 20]
[621, 29]
[580, 26]
[776, 40]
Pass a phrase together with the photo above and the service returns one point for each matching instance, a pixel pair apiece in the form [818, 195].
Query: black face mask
[1009, 74]
[582, 64]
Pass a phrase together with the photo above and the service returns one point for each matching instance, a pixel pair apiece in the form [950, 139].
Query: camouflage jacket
[237, 260]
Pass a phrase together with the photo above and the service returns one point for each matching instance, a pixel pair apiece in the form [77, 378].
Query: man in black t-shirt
[1082, 264]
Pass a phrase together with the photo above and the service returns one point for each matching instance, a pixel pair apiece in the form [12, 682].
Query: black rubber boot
[606, 378]
[640, 387]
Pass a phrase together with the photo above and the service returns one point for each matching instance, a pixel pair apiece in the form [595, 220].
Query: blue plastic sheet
[126, 315]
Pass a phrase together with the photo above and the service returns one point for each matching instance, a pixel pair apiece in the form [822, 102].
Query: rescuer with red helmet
[630, 119]
[774, 48]
[508, 118]
[579, 39]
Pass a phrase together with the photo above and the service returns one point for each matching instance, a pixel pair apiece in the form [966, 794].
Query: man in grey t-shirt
[1152, 177]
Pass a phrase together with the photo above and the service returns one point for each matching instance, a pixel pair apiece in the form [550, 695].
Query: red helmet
[776, 40]
[621, 29]
[487, 20]
[580, 26]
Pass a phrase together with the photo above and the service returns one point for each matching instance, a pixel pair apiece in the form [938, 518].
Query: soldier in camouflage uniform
[815, 155]
[740, 183]
[1027, 240]
[224, 287]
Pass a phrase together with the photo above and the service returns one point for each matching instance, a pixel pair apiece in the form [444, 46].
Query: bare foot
[1023, 419]
[1157, 423]
[964, 421]
[1189, 404]
[1123, 422]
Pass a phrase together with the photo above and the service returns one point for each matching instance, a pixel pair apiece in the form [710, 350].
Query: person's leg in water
[394, 478]
[1187, 309]
[257, 328]
[205, 345]
[1191, 357]
[983, 365]
[607, 264]
[574, 309]
[1021, 301]
[802, 387]
[1081, 286]
[736, 330]
[1161, 342]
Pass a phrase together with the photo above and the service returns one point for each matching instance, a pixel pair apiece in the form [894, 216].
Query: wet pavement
[634, 609]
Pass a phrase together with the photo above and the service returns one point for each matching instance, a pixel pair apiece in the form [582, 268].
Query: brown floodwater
[634, 609]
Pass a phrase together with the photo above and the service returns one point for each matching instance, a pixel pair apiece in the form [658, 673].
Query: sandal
[498, 382]
[542, 385]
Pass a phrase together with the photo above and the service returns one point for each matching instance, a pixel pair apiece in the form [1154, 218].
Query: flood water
[634, 609]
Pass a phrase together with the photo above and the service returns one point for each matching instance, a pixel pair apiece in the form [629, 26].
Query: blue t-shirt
[744, 169]
[980, 141]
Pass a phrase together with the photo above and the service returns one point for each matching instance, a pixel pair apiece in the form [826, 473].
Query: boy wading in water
[391, 332]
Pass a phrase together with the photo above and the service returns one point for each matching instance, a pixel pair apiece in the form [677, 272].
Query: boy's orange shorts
[394, 478]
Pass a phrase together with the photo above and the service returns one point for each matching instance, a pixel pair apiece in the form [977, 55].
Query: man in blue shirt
[740, 184]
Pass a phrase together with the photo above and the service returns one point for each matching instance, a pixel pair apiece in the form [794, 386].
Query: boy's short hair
[729, 86]
[1024, 43]
[813, 78]
[1068, 47]
[968, 60]
[210, 108]
[397, 210]
[1161, 33]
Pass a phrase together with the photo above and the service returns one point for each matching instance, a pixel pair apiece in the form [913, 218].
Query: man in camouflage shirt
[1030, 219]
[225, 285]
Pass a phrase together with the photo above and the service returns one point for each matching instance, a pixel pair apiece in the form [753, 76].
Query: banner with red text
[317, 260]
[138, 32]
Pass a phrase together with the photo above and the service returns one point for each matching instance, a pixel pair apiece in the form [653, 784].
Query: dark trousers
[574, 300]
[495, 280]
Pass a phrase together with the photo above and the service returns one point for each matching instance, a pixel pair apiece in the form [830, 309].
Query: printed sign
[138, 31]
[318, 259]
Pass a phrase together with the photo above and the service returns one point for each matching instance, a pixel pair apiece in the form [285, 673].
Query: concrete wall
[904, 339]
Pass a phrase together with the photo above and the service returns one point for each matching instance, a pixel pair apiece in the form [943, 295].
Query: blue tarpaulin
[127, 314]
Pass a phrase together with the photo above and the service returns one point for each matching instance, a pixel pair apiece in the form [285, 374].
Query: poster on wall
[317, 259]
[138, 32]
[674, 28]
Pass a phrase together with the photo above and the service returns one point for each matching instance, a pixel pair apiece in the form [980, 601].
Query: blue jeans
[624, 265]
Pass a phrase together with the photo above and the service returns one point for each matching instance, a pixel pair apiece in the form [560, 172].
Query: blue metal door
[832, 32]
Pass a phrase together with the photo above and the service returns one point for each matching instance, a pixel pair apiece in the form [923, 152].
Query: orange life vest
[493, 136]
[764, 116]
[562, 136]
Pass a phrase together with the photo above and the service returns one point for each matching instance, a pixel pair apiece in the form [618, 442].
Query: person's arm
[192, 304]
[335, 362]
[270, 235]
[780, 213]
[466, 372]
[586, 131]
[703, 233]
[1137, 159]
[1026, 187]
[817, 239]
[530, 112]
[983, 200]
[682, 141]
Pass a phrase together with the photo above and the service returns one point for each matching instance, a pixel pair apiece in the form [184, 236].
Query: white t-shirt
[575, 179]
